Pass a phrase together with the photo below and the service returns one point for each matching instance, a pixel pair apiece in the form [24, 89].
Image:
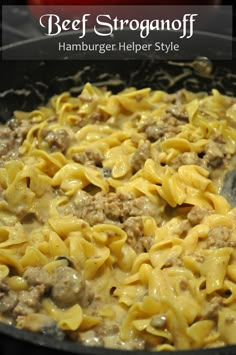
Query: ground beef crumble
[196, 215]
[187, 158]
[133, 226]
[12, 136]
[124, 211]
[29, 301]
[166, 127]
[90, 156]
[140, 156]
[220, 237]
[64, 285]
[58, 140]
[211, 308]
[112, 208]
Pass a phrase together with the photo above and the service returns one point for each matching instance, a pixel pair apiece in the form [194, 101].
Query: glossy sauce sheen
[113, 231]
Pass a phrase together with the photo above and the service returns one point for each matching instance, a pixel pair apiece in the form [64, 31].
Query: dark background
[25, 27]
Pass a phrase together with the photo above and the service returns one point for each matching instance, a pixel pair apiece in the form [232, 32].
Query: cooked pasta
[114, 230]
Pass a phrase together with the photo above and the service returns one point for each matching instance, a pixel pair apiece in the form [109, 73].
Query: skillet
[25, 84]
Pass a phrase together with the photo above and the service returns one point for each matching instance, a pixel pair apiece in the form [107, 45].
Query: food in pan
[114, 231]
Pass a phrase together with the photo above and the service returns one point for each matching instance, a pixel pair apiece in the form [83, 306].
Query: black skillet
[26, 84]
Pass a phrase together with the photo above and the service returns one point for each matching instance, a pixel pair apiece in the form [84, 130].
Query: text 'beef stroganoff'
[113, 231]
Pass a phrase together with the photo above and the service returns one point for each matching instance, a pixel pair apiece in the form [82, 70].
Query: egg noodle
[123, 193]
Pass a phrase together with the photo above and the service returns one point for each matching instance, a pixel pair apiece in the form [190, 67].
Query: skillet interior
[26, 84]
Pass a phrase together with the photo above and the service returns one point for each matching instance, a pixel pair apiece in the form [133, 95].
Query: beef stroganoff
[113, 228]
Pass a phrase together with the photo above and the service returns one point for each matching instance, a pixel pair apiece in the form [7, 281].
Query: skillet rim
[45, 341]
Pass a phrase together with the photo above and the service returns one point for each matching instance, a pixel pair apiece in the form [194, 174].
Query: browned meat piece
[133, 226]
[184, 285]
[183, 228]
[147, 243]
[218, 138]
[220, 237]
[35, 322]
[196, 215]
[7, 142]
[140, 206]
[65, 285]
[37, 276]
[29, 301]
[140, 156]
[211, 309]
[21, 128]
[155, 132]
[39, 322]
[58, 140]
[8, 298]
[94, 155]
[98, 116]
[214, 153]
[166, 127]
[97, 209]
[178, 112]
[187, 158]
[68, 286]
[80, 158]
[112, 207]
[93, 209]
[90, 157]
[8, 301]
[11, 137]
